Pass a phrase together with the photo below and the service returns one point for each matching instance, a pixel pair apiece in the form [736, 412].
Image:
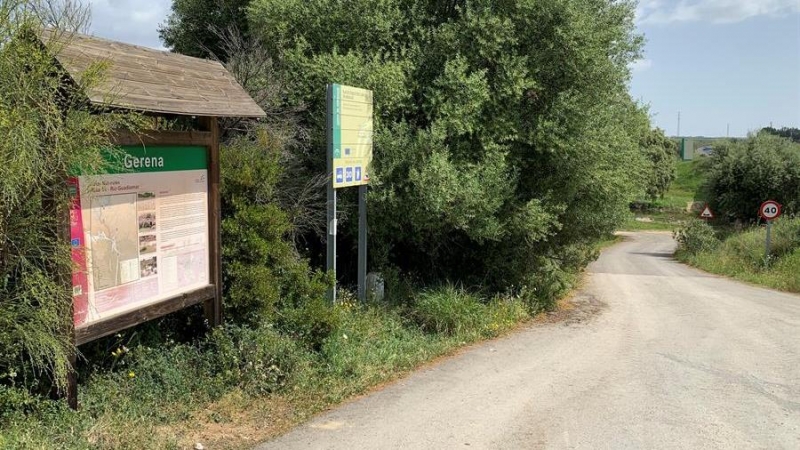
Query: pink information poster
[139, 233]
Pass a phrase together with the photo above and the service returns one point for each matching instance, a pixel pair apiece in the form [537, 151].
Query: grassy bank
[741, 255]
[670, 212]
[240, 386]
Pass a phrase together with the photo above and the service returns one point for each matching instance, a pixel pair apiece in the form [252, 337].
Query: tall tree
[506, 141]
[196, 27]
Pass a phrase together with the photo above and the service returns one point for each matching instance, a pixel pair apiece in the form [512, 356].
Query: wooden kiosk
[146, 240]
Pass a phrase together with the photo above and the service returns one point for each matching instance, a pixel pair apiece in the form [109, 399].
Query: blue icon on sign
[76, 242]
[340, 175]
[358, 173]
[348, 174]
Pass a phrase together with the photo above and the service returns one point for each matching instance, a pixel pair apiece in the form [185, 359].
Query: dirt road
[674, 359]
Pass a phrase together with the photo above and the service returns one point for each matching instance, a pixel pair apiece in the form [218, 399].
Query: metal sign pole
[331, 237]
[362, 243]
[769, 241]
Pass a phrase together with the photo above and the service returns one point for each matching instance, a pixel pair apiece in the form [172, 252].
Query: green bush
[310, 322]
[662, 156]
[742, 255]
[15, 402]
[785, 236]
[695, 237]
[262, 270]
[49, 131]
[449, 310]
[259, 360]
[743, 174]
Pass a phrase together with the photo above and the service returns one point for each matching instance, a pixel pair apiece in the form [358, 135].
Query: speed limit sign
[770, 210]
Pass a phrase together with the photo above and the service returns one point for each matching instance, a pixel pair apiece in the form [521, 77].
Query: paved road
[675, 359]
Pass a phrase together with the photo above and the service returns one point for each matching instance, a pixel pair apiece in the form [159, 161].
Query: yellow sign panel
[351, 144]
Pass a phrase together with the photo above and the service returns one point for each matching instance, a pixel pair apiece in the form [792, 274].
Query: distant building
[705, 150]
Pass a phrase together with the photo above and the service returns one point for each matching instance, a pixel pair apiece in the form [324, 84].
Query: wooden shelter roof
[148, 80]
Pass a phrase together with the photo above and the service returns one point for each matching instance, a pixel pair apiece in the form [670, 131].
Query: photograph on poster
[147, 244]
[147, 222]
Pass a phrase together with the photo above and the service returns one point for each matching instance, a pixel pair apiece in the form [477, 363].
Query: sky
[722, 64]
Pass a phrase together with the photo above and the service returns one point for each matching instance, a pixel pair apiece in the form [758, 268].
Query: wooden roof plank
[150, 80]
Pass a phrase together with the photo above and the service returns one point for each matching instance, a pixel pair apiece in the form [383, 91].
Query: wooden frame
[211, 295]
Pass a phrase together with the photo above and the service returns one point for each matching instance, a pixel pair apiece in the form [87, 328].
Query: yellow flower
[131, 374]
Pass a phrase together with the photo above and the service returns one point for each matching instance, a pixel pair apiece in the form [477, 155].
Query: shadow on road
[667, 255]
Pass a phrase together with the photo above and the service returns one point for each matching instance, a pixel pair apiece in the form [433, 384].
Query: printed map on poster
[140, 232]
[115, 240]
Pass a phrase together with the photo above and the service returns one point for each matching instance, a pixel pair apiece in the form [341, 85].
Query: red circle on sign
[770, 210]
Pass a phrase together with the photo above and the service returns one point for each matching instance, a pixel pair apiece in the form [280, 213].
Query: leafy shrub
[747, 247]
[662, 157]
[742, 256]
[310, 322]
[48, 130]
[785, 236]
[258, 360]
[15, 402]
[743, 174]
[449, 310]
[262, 271]
[695, 237]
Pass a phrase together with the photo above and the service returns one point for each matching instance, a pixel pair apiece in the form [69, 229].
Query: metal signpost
[769, 211]
[349, 131]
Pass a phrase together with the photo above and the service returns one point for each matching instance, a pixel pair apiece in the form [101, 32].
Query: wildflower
[131, 374]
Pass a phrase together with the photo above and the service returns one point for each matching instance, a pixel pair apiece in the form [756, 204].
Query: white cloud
[715, 11]
[641, 65]
[130, 21]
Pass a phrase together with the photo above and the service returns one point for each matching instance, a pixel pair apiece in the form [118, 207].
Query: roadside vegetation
[673, 209]
[742, 255]
[739, 177]
[498, 171]
[240, 385]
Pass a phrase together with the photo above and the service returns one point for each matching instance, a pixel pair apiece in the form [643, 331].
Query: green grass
[686, 186]
[669, 213]
[608, 242]
[742, 256]
[658, 221]
[239, 386]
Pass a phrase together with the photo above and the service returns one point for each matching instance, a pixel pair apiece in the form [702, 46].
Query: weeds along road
[674, 358]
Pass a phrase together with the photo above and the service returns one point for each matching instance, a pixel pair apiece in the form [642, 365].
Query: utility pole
[728, 133]
[679, 124]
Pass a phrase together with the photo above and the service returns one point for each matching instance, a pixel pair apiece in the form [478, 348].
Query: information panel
[139, 233]
[351, 146]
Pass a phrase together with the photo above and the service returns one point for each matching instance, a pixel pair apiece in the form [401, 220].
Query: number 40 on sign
[770, 210]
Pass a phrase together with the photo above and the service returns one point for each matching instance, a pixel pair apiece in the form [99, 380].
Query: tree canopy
[195, 27]
[506, 141]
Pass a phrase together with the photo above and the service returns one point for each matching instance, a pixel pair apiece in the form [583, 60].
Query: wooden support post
[213, 308]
